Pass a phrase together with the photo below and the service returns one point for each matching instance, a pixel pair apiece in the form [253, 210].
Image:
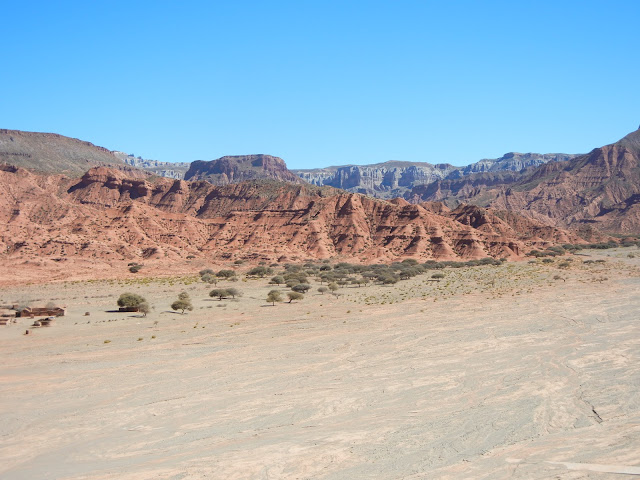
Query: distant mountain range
[396, 179]
[162, 169]
[600, 189]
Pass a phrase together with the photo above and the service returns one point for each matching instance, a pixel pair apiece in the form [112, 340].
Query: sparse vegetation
[274, 296]
[131, 300]
[220, 293]
[294, 296]
[182, 303]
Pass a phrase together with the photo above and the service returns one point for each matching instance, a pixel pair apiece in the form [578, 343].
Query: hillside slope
[53, 153]
[110, 216]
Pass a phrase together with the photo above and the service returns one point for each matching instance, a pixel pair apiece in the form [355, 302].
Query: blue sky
[324, 83]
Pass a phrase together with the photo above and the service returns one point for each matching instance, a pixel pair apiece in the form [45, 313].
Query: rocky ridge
[112, 217]
[156, 167]
[599, 189]
[53, 153]
[397, 179]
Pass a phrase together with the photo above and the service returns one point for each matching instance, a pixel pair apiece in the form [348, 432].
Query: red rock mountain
[599, 189]
[239, 168]
[112, 217]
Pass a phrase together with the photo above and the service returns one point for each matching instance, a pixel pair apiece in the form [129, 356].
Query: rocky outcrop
[235, 169]
[512, 162]
[386, 180]
[110, 216]
[406, 179]
[600, 189]
[162, 169]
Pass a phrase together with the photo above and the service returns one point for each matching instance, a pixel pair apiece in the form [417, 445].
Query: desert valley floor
[498, 372]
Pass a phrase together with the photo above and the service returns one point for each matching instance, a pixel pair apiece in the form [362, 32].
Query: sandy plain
[491, 373]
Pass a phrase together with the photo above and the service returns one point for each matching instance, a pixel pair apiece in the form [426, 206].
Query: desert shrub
[206, 271]
[183, 303]
[547, 260]
[226, 274]
[274, 296]
[144, 308]
[209, 278]
[292, 282]
[294, 296]
[437, 275]
[300, 276]
[234, 292]
[564, 264]
[130, 300]
[322, 290]
[388, 279]
[325, 268]
[260, 271]
[238, 262]
[433, 265]
[333, 287]
[410, 261]
[135, 268]
[277, 280]
[220, 293]
[301, 288]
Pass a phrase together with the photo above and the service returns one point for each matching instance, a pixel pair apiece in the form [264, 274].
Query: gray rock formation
[397, 179]
[162, 169]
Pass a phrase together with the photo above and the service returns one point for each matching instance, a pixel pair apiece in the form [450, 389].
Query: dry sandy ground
[493, 373]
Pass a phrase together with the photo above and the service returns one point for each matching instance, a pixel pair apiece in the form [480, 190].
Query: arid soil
[498, 372]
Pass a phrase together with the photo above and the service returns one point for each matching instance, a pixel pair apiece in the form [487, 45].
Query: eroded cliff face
[108, 215]
[403, 179]
[386, 180]
[600, 189]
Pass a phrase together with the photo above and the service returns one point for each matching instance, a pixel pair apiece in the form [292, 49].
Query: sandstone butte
[110, 217]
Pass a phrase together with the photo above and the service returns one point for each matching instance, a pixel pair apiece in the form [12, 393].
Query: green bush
[294, 296]
[130, 300]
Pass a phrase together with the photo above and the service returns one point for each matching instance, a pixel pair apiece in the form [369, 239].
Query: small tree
[323, 289]
[294, 296]
[226, 274]
[274, 296]
[130, 300]
[210, 278]
[292, 282]
[301, 288]
[144, 308]
[259, 271]
[333, 286]
[220, 293]
[277, 280]
[234, 292]
[183, 303]
[206, 271]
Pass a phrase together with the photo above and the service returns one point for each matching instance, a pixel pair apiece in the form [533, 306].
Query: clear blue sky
[324, 83]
